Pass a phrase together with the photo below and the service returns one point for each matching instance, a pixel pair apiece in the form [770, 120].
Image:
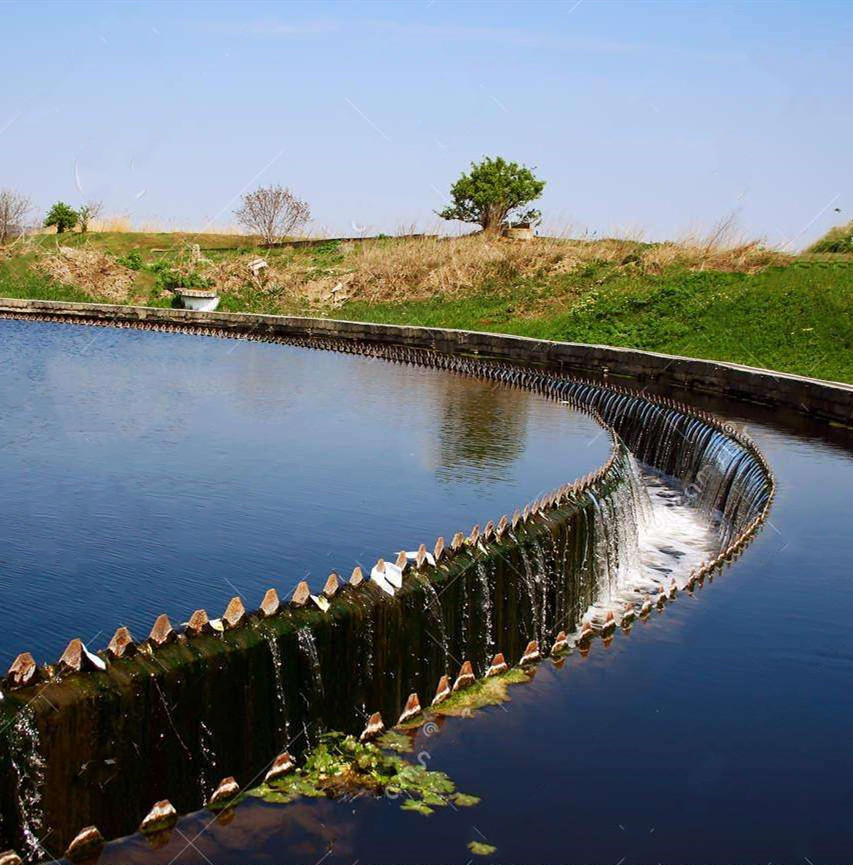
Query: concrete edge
[824, 400]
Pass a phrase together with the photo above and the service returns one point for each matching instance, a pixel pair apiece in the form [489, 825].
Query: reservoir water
[150, 472]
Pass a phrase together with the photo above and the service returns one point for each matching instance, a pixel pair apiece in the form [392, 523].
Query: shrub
[13, 208]
[838, 239]
[272, 212]
[132, 261]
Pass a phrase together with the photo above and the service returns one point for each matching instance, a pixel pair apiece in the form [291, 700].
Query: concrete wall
[827, 401]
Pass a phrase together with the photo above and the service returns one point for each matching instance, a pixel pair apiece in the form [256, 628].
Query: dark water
[716, 732]
[146, 473]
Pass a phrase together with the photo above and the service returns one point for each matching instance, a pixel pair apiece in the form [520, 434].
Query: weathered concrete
[827, 401]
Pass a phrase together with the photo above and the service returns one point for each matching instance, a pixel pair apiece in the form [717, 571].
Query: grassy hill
[729, 302]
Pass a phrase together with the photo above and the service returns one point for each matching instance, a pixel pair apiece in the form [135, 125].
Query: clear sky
[655, 116]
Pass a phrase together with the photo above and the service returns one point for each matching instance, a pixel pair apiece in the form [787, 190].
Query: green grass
[793, 318]
[122, 242]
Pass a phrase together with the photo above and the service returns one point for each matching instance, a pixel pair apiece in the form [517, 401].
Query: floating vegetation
[464, 800]
[478, 848]
[418, 806]
[484, 692]
[394, 740]
[342, 766]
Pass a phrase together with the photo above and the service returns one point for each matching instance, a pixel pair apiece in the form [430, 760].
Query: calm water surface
[715, 732]
[718, 731]
[146, 473]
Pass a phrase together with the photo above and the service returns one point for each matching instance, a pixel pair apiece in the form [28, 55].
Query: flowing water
[681, 741]
[713, 732]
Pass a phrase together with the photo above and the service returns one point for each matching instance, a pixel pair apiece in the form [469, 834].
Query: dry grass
[411, 269]
[96, 274]
[416, 269]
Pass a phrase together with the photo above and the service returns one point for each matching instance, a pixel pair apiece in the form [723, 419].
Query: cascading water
[312, 694]
[278, 680]
[433, 607]
[620, 536]
[29, 767]
[486, 600]
[207, 774]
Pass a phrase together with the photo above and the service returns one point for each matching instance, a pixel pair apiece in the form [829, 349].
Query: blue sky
[654, 117]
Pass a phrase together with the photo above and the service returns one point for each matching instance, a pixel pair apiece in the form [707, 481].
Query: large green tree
[62, 215]
[494, 193]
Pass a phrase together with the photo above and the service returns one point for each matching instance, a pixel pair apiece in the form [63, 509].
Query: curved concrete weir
[87, 746]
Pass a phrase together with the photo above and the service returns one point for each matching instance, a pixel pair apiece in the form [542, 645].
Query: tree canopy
[494, 193]
[63, 216]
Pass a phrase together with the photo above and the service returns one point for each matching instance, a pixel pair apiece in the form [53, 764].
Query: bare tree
[89, 212]
[13, 208]
[273, 212]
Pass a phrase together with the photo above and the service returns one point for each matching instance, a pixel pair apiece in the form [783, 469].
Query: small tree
[13, 208]
[272, 212]
[63, 216]
[494, 193]
[90, 211]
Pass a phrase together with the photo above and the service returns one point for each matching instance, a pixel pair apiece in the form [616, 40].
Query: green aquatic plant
[342, 766]
[482, 693]
[464, 800]
[478, 848]
[394, 740]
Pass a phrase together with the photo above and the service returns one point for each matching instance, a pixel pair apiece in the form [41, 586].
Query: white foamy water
[667, 538]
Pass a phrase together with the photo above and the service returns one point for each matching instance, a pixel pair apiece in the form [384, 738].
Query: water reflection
[483, 428]
[147, 473]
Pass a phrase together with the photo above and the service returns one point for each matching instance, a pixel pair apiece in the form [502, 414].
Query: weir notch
[421, 556]
[497, 666]
[161, 632]
[374, 728]
[465, 678]
[227, 790]
[24, 671]
[270, 605]
[438, 551]
[234, 614]
[199, 623]
[86, 845]
[442, 692]
[281, 766]
[301, 594]
[161, 816]
[561, 643]
[121, 645]
[411, 709]
[77, 658]
[531, 653]
[330, 589]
